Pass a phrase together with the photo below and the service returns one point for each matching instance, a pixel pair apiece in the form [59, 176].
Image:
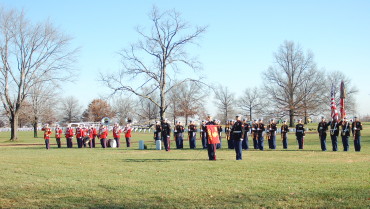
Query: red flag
[212, 133]
[342, 97]
[334, 112]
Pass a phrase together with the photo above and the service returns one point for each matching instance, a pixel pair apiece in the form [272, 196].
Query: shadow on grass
[159, 160]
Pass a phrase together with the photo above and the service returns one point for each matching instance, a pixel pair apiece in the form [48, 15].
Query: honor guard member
[179, 132]
[103, 134]
[334, 133]
[47, 133]
[166, 133]
[231, 138]
[246, 128]
[237, 131]
[254, 134]
[299, 133]
[260, 130]
[219, 129]
[356, 132]
[203, 136]
[210, 147]
[322, 128]
[192, 133]
[117, 134]
[157, 131]
[227, 132]
[58, 135]
[284, 134]
[128, 130]
[272, 132]
[80, 134]
[69, 136]
[345, 133]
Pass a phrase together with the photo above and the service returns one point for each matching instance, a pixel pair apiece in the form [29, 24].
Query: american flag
[334, 112]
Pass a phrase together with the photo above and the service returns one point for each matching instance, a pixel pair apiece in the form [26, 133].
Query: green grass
[33, 177]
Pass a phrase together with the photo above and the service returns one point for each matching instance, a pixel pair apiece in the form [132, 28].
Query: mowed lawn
[33, 177]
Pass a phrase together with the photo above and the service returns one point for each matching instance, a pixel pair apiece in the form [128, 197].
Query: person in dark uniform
[179, 132]
[322, 128]
[219, 128]
[192, 134]
[356, 132]
[157, 131]
[203, 130]
[166, 133]
[273, 129]
[267, 135]
[260, 130]
[299, 133]
[237, 131]
[231, 138]
[255, 134]
[246, 128]
[334, 132]
[227, 132]
[211, 147]
[345, 133]
[284, 134]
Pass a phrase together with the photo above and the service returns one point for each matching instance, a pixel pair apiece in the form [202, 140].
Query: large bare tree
[251, 102]
[124, 108]
[286, 79]
[225, 102]
[157, 58]
[70, 109]
[30, 54]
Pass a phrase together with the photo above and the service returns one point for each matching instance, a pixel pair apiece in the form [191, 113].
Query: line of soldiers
[86, 136]
[348, 127]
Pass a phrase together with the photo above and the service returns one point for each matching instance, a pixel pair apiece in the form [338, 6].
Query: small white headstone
[158, 144]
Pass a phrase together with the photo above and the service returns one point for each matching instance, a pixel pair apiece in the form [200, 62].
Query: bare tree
[287, 78]
[70, 110]
[30, 54]
[225, 102]
[124, 108]
[147, 110]
[251, 102]
[157, 58]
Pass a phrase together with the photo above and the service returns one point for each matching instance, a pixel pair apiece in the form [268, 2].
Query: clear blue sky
[237, 47]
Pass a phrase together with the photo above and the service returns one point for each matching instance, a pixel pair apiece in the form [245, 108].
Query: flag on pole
[342, 97]
[334, 112]
[212, 133]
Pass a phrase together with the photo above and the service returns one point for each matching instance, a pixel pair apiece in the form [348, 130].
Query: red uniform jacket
[47, 133]
[117, 132]
[80, 132]
[128, 132]
[103, 133]
[69, 133]
[92, 133]
[58, 133]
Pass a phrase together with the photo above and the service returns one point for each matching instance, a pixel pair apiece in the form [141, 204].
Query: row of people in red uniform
[86, 136]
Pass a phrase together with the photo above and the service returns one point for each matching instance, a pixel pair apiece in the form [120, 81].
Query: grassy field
[33, 177]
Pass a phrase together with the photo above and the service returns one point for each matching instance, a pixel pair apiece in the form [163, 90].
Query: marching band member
[103, 134]
[92, 135]
[117, 134]
[85, 137]
[69, 136]
[299, 132]
[47, 133]
[79, 136]
[128, 130]
[58, 134]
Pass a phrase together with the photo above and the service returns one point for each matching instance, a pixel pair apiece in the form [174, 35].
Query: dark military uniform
[237, 131]
[322, 128]
[334, 132]
[260, 130]
[157, 132]
[179, 130]
[284, 135]
[211, 147]
[356, 132]
[230, 143]
[299, 133]
[219, 129]
[246, 128]
[255, 135]
[345, 133]
[192, 132]
[272, 135]
[203, 135]
[165, 133]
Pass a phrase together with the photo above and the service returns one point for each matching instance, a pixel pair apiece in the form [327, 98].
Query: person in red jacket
[117, 134]
[47, 133]
[127, 131]
[92, 135]
[58, 134]
[80, 134]
[85, 138]
[103, 134]
[69, 136]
